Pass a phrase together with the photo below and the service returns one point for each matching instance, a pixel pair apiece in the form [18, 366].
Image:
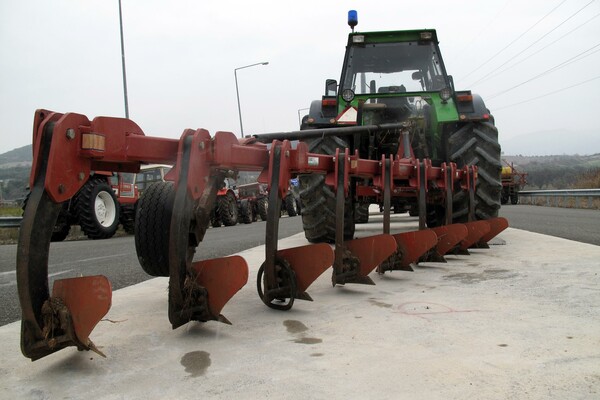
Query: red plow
[68, 147]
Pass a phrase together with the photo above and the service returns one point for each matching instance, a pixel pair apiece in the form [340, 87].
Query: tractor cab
[389, 77]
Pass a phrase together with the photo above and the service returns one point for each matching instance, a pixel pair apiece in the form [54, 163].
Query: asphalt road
[116, 258]
[568, 223]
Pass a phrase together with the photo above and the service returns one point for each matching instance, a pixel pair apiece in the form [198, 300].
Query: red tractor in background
[105, 200]
[255, 196]
[226, 210]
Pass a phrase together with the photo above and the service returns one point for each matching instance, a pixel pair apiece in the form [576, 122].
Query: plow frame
[68, 146]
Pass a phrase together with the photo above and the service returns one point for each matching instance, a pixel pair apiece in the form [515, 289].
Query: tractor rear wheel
[97, 209]
[128, 218]
[153, 227]
[246, 211]
[263, 207]
[227, 209]
[290, 205]
[476, 143]
[318, 199]
[361, 213]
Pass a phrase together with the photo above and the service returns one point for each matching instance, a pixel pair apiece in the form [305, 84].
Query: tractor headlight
[348, 95]
[445, 94]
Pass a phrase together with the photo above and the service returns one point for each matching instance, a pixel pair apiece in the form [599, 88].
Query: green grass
[11, 211]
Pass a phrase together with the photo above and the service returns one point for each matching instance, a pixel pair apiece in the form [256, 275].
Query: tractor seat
[395, 102]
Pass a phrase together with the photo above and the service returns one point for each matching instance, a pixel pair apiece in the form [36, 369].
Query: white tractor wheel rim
[105, 209]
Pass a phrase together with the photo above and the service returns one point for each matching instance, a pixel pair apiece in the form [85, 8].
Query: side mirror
[330, 87]
[417, 76]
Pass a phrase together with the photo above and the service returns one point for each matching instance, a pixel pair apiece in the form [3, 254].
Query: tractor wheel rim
[105, 209]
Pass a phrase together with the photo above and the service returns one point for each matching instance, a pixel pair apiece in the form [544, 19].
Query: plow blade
[497, 225]
[222, 278]
[476, 230]
[448, 236]
[308, 263]
[368, 252]
[87, 299]
[410, 246]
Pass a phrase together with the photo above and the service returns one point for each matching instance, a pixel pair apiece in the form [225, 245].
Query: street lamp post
[123, 63]
[237, 92]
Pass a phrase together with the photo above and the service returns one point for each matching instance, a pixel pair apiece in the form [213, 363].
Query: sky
[535, 63]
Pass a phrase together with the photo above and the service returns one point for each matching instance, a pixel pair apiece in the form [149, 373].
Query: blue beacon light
[352, 19]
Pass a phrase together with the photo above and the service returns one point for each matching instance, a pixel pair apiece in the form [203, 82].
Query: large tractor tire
[263, 207]
[153, 226]
[476, 143]
[128, 218]
[290, 205]
[246, 211]
[361, 213]
[97, 209]
[318, 200]
[227, 209]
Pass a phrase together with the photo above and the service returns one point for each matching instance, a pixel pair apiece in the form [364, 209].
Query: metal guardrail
[10, 222]
[553, 197]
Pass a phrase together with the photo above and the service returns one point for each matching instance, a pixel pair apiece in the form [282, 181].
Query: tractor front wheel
[97, 209]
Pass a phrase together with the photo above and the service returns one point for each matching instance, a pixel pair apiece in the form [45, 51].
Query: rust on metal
[308, 262]
[88, 300]
[476, 230]
[371, 251]
[410, 246]
[222, 278]
[497, 225]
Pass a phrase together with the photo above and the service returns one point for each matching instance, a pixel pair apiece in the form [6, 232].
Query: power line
[548, 94]
[535, 42]
[515, 40]
[487, 26]
[555, 68]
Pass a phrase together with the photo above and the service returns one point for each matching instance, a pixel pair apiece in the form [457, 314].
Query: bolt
[80, 176]
[70, 133]
[201, 145]
[287, 153]
[61, 188]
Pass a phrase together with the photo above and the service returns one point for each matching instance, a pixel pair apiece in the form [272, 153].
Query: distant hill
[552, 142]
[15, 166]
[21, 156]
[558, 171]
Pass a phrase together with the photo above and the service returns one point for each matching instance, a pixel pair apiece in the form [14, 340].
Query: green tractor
[394, 97]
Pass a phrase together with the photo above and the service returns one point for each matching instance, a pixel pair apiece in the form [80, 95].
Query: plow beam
[222, 278]
[497, 225]
[410, 246]
[361, 256]
[476, 230]
[448, 236]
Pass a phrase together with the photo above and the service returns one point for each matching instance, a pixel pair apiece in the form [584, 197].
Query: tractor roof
[395, 36]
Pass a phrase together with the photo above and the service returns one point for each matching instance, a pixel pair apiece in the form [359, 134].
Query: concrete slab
[519, 320]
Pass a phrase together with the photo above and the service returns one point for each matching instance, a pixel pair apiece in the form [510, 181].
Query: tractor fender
[474, 110]
[315, 117]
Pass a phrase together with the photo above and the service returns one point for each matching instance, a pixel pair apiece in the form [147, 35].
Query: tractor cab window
[393, 68]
